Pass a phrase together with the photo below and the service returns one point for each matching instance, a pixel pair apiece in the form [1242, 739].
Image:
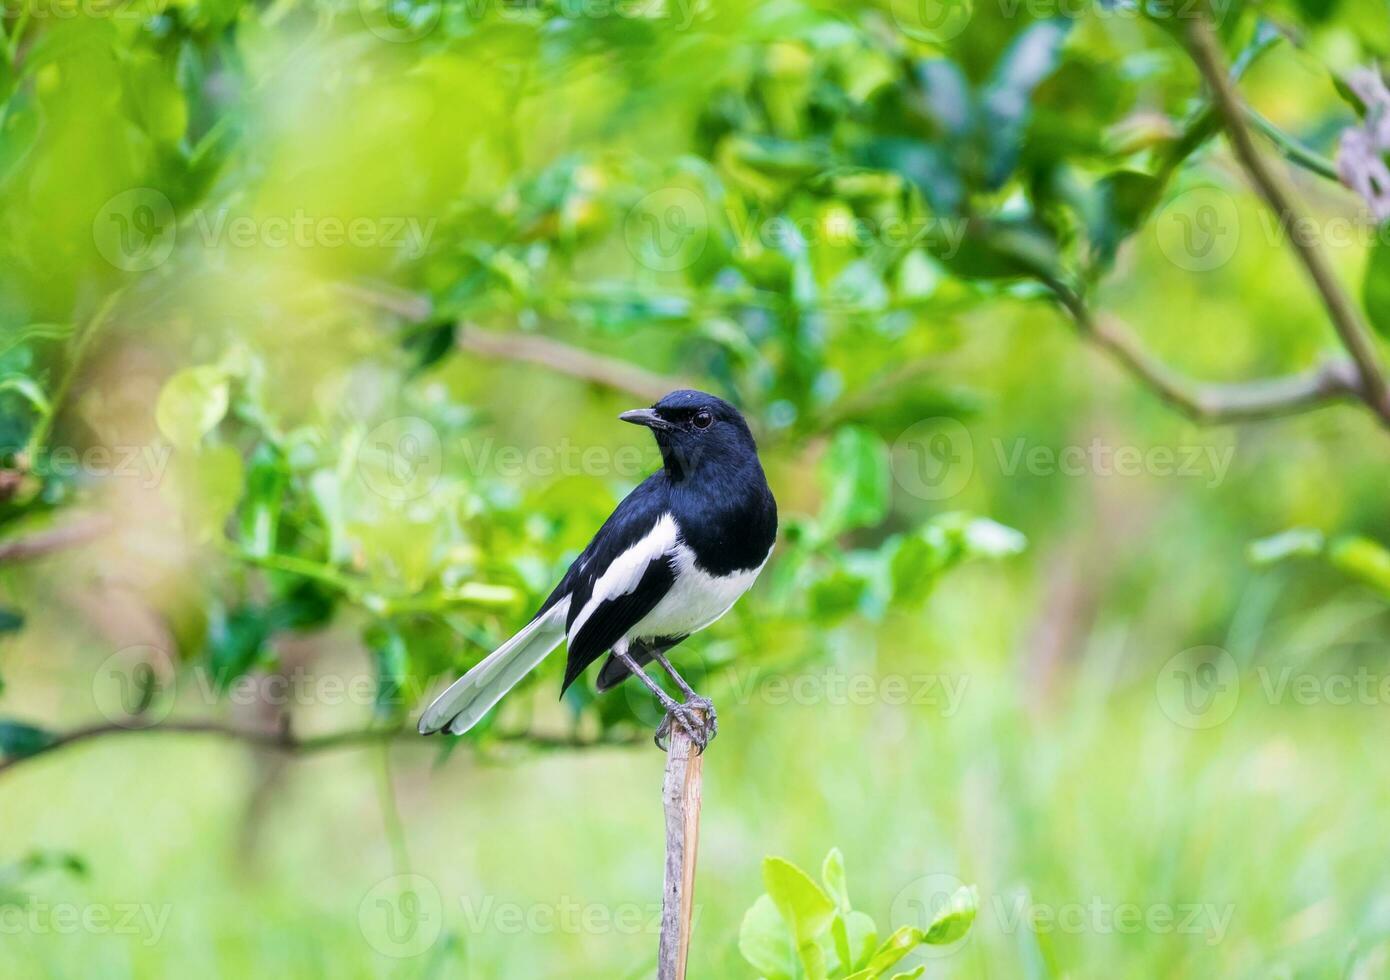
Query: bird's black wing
[620, 576]
[613, 616]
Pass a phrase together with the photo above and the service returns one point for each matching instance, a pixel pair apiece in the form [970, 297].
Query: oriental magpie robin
[674, 556]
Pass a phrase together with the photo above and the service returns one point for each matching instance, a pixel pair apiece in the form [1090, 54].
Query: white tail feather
[472, 696]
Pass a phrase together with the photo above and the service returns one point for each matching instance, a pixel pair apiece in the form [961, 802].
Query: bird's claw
[697, 717]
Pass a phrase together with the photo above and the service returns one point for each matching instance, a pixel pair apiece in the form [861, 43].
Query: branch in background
[1346, 317]
[70, 535]
[286, 741]
[1205, 402]
[554, 355]
[566, 359]
[10, 482]
[1294, 151]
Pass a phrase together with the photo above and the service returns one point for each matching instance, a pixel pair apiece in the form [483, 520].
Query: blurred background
[315, 318]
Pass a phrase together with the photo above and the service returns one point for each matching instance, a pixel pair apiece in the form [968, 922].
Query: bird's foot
[696, 717]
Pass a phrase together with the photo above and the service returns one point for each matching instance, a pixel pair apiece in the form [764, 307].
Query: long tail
[472, 696]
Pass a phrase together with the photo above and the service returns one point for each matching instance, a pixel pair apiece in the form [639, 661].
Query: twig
[565, 359]
[680, 797]
[1346, 318]
[541, 351]
[286, 741]
[77, 352]
[1210, 403]
[1294, 151]
[70, 535]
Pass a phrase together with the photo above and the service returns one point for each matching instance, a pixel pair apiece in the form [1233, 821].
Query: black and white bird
[675, 555]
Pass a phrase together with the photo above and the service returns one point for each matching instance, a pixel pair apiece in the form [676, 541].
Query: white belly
[696, 599]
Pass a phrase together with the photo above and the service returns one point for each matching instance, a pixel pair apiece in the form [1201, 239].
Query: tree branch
[1346, 317]
[1210, 403]
[286, 741]
[566, 359]
[1292, 150]
[70, 535]
[554, 355]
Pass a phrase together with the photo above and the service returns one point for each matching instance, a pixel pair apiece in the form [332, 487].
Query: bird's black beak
[647, 417]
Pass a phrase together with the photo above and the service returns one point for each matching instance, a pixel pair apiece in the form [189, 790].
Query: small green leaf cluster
[801, 929]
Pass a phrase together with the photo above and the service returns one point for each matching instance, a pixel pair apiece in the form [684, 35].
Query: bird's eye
[702, 420]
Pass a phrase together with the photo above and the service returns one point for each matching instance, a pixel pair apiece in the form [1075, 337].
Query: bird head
[696, 430]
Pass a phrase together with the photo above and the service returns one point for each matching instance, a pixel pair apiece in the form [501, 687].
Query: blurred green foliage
[247, 250]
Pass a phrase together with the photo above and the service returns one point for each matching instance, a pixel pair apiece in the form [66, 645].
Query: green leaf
[839, 936]
[918, 559]
[390, 657]
[28, 389]
[1375, 287]
[191, 404]
[804, 907]
[209, 484]
[855, 475]
[236, 643]
[836, 595]
[1007, 100]
[35, 331]
[951, 924]
[910, 976]
[894, 948]
[832, 875]
[1127, 198]
[40, 861]
[983, 538]
[1298, 542]
[915, 564]
[765, 942]
[18, 739]
[10, 620]
[1364, 559]
[862, 935]
[266, 480]
[953, 921]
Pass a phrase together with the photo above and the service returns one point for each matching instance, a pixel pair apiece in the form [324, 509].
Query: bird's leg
[679, 712]
[692, 700]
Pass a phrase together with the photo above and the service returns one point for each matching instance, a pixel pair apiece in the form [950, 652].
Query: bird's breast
[697, 598]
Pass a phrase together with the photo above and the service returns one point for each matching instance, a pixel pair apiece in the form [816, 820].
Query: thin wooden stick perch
[680, 796]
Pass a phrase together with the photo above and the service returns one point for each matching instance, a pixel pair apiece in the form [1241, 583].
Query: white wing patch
[625, 574]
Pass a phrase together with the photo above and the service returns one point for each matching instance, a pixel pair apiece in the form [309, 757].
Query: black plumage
[675, 554]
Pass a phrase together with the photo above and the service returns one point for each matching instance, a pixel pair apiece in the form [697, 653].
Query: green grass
[1143, 847]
